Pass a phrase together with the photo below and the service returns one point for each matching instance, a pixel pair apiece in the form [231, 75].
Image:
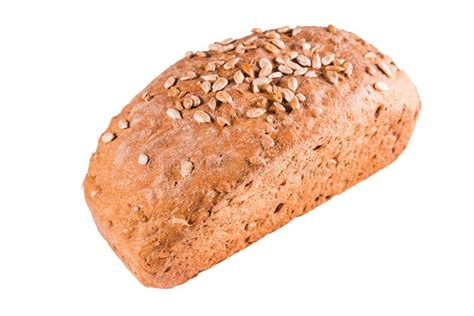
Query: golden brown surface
[176, 191]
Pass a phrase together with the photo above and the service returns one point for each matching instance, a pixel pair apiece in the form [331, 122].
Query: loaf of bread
[228, 145]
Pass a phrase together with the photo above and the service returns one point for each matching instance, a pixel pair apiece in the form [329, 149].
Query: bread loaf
[228, 145]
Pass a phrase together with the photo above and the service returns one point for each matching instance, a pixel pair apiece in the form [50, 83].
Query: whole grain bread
[228, 145]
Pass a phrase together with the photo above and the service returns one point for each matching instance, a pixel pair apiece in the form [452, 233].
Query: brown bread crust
[201, 191]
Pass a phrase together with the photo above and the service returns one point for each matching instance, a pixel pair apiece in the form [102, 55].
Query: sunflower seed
[173, 113]
[385, 69]
[202, 117]
[256, 30]
[311, 74]
[326, 60]
[143, 159]
[231, 63]
[371, 70]
[288, 94]
[210, 77]
[227, 48]
[173, 91]
[301, 97]
[186, 168]
[206, 86]
[188, 76]
[295, 104]
[188, 102]
[282, 60]
[293, 55]
[123, 124]
[334, 68]
[293, 65]
[316, 62]
[381, 86]
[196, 100]
[220, 84]
[188, 54]
[250, 40]
[169, 82]
[179, 105]
[285, 69]
[240, 49]
[264, 62]
[370, 55]
[270, 119]
[332, 77]
[296, 31]
[283, 29]
[211, 67]
[255, 112]
[215, 47]
[276, 74]
[266, 67]
[278, 43]
[349, 69]
[279, 106]
[238, 77]
[179, 221]
[272, 34]
[147, 96]
[267, 141]
[271, 48]
[303, 60]
[300, 72]
[201, 54]
[227, 41]
[261, 81]
[212, 103]
[108, 137]
[292, 83]
[224, 97]
[181, 94]
[221, 121]
[306, 46]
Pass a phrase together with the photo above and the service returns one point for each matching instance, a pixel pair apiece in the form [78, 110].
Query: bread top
[209, 121]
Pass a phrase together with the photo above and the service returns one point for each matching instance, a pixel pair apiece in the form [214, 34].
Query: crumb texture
[228, 145]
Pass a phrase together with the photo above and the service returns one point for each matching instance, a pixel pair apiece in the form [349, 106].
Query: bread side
[173, 194]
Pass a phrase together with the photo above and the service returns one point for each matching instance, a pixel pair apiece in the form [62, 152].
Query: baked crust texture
[190, 173]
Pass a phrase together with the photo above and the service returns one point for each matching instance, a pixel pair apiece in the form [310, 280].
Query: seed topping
[381, 86]
[224, 97]
[292, 83]
[108, 137]
[173, 114]
[143, 159]
[169, 82]
[385, 69]
[188, 76]
[186, 168]
[231, 63]
[219, 84]
[123, 124]
[255, 112]
[202, 117]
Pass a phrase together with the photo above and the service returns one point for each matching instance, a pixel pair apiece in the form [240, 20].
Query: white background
[400, 243]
